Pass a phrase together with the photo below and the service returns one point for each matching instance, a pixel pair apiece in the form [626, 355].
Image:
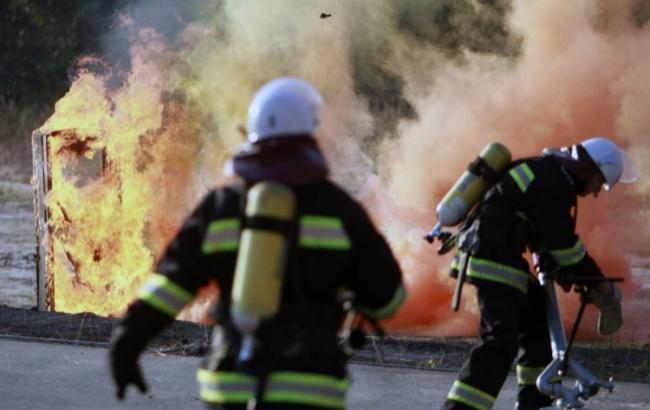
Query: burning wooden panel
[70, 183]
[98, 226]
[81, 165]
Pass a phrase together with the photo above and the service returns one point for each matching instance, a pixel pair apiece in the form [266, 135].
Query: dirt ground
[17, 245]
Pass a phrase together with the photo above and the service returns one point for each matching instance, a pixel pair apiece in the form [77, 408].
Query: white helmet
[283, 107]
[612, 161]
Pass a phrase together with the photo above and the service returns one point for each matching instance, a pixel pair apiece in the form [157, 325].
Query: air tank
[261, 259]
[472, 185]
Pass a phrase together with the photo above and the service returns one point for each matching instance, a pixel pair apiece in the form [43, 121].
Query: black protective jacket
[531, 207]
[335, 247]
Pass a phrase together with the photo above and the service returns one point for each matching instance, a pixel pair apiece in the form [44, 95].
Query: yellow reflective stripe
[523, 176]
[319, 221]
[455, 263]
[222, 236]
[304, 398]
[471, 396]
[390, 308]
[225, 387]
[164, 295]
[223, 397]
[569, 256]
[528, 375]
[223, 377]
[497, 272]
[325, 232]
[290, 387]
[306, 388]
[315, 379]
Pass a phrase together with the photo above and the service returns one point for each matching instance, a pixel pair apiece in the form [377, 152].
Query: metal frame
[41, 185]
[586, 385]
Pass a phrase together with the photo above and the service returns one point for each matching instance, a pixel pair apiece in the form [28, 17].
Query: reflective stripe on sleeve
[497, 272]
[222, 236]
[471, 396]
[282, 387]
[390, 308]
[323, 232]
[523, 176]
[164, 295]
[569, 256]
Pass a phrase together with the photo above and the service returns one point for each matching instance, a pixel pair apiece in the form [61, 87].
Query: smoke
[580, 73]
[413, 91]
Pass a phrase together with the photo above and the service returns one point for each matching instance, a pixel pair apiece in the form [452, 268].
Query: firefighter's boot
[609, 318]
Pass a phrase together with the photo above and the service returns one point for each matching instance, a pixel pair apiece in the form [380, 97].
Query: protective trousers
[510, 320]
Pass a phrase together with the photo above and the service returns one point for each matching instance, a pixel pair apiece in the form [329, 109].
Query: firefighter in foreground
[281, 244]
[532, 205]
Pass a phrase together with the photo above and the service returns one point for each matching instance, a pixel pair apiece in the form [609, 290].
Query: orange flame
[107, 228]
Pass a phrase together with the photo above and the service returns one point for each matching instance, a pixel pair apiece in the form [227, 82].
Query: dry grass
[16, 126]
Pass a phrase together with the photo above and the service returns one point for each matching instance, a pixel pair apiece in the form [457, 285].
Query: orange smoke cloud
[574, 79]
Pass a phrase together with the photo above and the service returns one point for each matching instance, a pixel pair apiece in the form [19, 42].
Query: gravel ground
[17, 245]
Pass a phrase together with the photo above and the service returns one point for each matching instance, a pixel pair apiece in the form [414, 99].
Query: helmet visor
[630, 174]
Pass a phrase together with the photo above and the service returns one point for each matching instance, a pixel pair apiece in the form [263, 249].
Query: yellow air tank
[473, 184]
[261, 261]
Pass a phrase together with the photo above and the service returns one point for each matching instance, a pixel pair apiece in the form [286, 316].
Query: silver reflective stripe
[569, 256]
[331, 392]
[523, 176]
[471, 396]
[497, 272]
[222, 236]
[225, 387]
[228, 387]
[323, 232]
[283, 387]
[306, 388]
[164, 295]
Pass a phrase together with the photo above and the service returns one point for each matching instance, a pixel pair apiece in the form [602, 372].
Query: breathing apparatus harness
[461, 205]
[278, 337]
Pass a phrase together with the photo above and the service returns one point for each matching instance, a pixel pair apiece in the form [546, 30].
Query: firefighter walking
[532, 205]
[275, 344]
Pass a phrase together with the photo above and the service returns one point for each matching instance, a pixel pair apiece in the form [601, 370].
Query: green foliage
[38, 41]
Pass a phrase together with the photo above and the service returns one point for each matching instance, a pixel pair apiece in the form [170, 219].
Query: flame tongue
[120, 177]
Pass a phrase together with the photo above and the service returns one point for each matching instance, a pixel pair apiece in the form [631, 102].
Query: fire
[120, 168]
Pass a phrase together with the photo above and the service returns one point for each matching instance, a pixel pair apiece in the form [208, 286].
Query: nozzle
[434, 233]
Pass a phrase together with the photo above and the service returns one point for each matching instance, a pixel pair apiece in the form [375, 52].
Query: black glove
[125, 370]
[130, 337]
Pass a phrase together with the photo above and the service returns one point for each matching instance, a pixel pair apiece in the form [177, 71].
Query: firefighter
[532, 206]
[297, 361]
